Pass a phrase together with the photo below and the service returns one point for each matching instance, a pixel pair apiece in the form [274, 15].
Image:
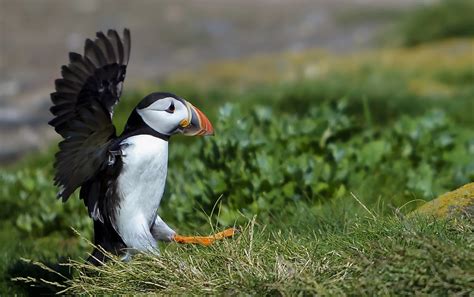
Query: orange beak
[197, 123]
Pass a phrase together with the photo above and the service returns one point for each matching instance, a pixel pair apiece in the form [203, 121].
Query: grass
[331, 245]
[439, 20]
[360, 256]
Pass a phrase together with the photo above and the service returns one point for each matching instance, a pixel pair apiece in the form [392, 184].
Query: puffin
[121, 177]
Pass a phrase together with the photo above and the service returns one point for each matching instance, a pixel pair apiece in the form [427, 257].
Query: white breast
[141, 184]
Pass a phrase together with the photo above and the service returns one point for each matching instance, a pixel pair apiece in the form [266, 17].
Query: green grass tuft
[382, 256]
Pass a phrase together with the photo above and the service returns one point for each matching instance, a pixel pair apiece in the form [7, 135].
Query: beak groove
[198, 123]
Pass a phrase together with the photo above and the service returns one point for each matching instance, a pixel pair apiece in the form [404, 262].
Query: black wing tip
[89, 42]
[127, 42]
[73, 57]
[98, 53]
[88, 46]
[62, 197]
[63, 194]
[126, 32]
[124, 43]
[99, 34]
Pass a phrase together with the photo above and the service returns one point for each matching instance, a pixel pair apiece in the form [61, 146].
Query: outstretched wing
[83, 104]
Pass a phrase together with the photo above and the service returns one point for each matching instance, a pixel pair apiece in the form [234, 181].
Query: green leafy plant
[263, 162]
[29, 202]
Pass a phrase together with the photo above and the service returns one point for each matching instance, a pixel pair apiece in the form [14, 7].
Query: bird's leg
[138, 238]
[205, 240]
[161, 231]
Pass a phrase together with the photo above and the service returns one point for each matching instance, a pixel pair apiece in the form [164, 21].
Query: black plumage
[83, 104]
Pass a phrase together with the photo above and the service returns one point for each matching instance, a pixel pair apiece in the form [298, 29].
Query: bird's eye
[171, 108]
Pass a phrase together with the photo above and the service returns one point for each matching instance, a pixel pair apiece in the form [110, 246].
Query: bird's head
[169, 114]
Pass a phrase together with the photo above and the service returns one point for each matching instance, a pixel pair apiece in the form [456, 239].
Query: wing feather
[109, 49]
[117, 44]
[90, 87]
[126, 45]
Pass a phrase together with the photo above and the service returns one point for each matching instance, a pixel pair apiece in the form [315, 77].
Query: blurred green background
[391, 121]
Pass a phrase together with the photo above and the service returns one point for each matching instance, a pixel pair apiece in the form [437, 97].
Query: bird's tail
[105, 239]
[97, 257]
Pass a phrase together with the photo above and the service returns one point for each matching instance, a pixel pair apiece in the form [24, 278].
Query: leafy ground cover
[296, 142]
[291, 142]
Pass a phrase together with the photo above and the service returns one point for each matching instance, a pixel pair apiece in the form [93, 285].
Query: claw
[205, 240]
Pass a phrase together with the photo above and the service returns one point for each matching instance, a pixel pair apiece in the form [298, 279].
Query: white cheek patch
[157, 118]
[162, 104]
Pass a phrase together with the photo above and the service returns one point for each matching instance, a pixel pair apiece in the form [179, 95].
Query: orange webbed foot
[205, 240]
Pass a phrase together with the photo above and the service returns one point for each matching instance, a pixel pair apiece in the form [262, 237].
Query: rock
[459, 202]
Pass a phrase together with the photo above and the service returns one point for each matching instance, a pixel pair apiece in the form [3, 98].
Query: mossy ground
[459, 202]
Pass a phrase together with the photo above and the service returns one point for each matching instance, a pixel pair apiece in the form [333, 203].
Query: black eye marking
[171, 108]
